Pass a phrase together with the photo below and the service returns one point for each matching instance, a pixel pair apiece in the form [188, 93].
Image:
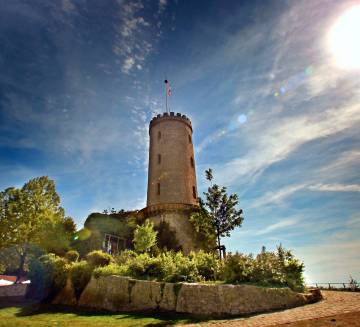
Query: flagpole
[166, 95]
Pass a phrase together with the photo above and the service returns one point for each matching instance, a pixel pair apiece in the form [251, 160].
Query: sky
[272, 91]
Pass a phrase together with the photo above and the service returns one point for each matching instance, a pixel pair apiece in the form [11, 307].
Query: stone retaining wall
[117, 293]
[13, 291]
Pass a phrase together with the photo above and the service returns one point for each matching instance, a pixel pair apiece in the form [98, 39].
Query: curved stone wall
[117, 293]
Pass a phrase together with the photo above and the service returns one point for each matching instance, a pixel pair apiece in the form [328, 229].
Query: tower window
[192, 162]
[194, 192]
[158, 188]
[159, 159]
[189, 139]
[159, 135]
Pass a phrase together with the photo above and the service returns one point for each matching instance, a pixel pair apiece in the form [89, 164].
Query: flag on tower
[168, 88]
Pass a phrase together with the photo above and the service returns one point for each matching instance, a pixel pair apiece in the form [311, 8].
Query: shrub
[145, 266]
[48, 275]
[267, 270]
[207, 264]
[237, 268]
[80, 274]
[112, 269]
[144, 237]
[181, 269]
[124, 256]
[72, 256]
[98, 258]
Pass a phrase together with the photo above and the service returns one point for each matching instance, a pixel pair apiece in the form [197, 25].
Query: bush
[278, 269]
[112, 269]
[207, 264]
[180, 268]
[72, 256]
[80, 274]
[238, 268]
[98, 258]
[124, 256]
[48, 275]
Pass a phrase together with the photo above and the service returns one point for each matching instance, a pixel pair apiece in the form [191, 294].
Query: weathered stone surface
[67, 295]
[117, 293]
[145, 295]
[14, 290]
[234, 299]
[168, 301]
[110, 293]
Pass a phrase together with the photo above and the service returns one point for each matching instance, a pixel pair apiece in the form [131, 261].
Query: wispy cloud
[136, 38]
[335, 188]
[279, 225]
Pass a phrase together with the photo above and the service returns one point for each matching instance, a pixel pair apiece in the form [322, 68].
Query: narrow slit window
[192, 162]
[159, 159]
[159, 135]
[158, 188]
[189, 139]
[194, 192]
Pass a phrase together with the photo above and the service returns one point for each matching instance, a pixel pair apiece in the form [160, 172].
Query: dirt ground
[337, 309]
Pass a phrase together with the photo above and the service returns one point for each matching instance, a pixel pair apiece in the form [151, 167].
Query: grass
[34, 314]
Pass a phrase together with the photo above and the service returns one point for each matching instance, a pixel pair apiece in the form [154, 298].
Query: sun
[344, 39]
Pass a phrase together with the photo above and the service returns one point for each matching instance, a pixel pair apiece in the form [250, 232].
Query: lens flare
[344, 39]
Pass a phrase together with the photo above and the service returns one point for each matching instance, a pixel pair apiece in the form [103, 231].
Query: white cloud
[279, 225]
[335, 187]
[274, 142]
[135, 38]
[276, 197]
[128, 65]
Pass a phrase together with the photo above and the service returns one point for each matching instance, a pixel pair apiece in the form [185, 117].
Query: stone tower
[172, 191]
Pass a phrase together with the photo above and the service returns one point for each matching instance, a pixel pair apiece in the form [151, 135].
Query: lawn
[33, 314]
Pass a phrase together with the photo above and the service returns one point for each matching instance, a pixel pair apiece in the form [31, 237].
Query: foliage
[207, 264]
[48, 274]
[124, 256]
[353, 283]
[98, 258]
[80, 275]
[237, 268]
[112, 269]
[218, 214]
[32, 216]
[144, 237]
[72, 256]
[278, 268]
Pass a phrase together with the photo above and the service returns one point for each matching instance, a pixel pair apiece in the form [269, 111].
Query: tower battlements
[170, 116]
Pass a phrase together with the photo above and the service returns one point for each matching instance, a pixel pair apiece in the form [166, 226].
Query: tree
[144, 237]
[32, 217]
[217, 214]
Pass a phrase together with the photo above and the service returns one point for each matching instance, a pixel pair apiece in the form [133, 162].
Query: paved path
[334, 303]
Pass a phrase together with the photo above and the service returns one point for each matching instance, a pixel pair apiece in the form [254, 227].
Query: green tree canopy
[218, 214]
[144, 237]
[32, 216]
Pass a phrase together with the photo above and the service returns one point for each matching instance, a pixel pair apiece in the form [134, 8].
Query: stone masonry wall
[117, 293]
[15, 290]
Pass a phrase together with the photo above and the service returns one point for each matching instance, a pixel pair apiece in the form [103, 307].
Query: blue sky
[273, 114]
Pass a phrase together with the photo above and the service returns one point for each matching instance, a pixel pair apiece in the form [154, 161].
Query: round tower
[172, 191]
[171, 175]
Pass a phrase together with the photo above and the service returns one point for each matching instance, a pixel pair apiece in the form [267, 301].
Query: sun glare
[344, 39]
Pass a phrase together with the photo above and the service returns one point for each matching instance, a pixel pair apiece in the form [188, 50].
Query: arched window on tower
[159, 135]
[158, 188]
[190, 139]
[159, 159]
[192, 162]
